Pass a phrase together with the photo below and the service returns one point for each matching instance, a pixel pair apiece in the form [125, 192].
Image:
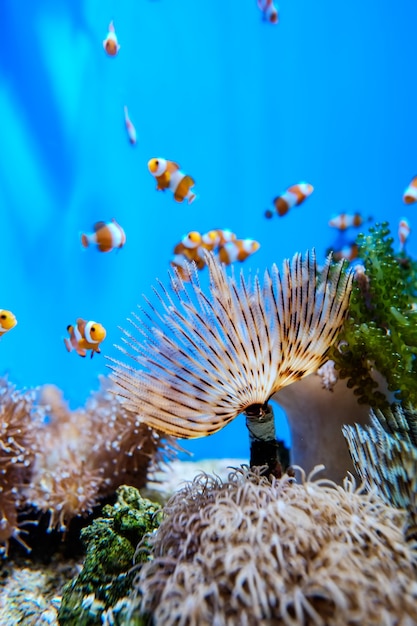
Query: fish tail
[68, 345]
[84, 240]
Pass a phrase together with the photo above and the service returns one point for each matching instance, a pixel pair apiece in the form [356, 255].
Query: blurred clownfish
[346, 220]
[404, 231]
[237, 250]
[110, 44]
[169, 176]
[293, 196]
[85, 336]
[7, 321]
[180, 263]
[107, 236]
[131, 130]
[349, 252]
[189, 247]
[217, 237]
[410, 194]
[269, 10]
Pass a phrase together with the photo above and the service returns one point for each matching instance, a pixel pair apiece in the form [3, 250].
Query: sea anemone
[206, 358]
[251, 551]
[16, 410]
[82, 456]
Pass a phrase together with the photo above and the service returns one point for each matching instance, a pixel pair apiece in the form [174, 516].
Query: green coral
[380, 332]
[106, 578]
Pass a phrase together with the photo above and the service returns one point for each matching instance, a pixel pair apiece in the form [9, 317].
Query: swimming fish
[131, 130]
[349, 252]
[237, 250]
[347, 220]
[293, 196]
[107, 236]
[181, 265]
[7, 321]
[169, 176]
[270, 10]
[217, 237]
[110, 44]
[404, 231]
[410, 194]
[85, 336]
[190, 247]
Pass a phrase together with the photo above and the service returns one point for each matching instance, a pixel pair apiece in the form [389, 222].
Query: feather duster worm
[206, 358]
[385, 457]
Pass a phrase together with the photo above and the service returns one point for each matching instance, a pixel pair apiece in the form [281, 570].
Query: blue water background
[247, 108]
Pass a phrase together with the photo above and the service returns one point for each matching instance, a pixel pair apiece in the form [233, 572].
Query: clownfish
[404, 231]
[237, 250]
[189, 247]
[346, 220]
[169, 176]
[85, 336]
[179, 262]
[217, 237]
[293, 196]
[410, 194]
[349, 252]
[110, 44]
[7, 321]
[107, 236]
[269, 10]
[131, 130]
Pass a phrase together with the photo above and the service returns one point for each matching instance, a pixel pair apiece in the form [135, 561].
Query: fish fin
[172, 166]
[189, 180]
[98, 225]
[68, 344]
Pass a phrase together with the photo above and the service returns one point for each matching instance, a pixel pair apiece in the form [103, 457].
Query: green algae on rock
[106, 577]
[380, 332]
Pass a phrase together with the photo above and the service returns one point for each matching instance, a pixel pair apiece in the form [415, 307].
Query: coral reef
[29, 594]
[248, 552]
[380, 332]
[106, 577]
[204, 359]
[64, 462]
[385, 457]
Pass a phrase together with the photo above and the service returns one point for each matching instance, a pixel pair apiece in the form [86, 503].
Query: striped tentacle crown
[200, 359]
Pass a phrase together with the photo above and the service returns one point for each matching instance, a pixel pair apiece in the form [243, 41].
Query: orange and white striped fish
[130, 129]
[180, 263]
[107, 236]
[404, 231]
[347, 220]
[169, 176]
[217, 237]
[410, 194]
[237, 250]
[7, 321]
[190, 248]
[269, 10]
[349, 252]
[293, 196]
[110, 44]
[85, 335]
